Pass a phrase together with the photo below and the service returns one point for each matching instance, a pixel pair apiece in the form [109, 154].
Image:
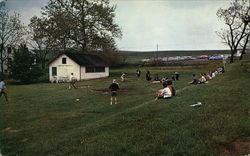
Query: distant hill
[136, 56]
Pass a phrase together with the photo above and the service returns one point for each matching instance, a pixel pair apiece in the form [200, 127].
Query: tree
[11, 32]
[40, 40]
[237, 19]
[24, 68]
[244, 44]
[86, 25]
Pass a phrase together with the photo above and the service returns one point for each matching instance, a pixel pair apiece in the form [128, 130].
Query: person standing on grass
[2, 89]
[177, 75]
[72, 81]
[113, 87]
[138, 73]
[148, 78]
[123, 76]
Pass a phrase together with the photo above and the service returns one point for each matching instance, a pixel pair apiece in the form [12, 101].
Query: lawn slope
[45, 119]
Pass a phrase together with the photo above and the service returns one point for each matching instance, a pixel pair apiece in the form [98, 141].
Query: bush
[23, 67]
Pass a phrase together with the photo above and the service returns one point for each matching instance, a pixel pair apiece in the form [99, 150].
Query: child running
[113, 87]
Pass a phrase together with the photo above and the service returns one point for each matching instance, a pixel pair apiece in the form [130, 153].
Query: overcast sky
[172, 24]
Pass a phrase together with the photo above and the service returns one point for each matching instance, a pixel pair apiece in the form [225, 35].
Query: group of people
[167, 91]
[205, 77]
[175, 77]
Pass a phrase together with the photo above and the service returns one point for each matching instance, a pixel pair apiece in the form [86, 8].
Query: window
[9, 50]
[100, 69]
[54, 71]
[90, 69]
[64, 61]
[95, 69]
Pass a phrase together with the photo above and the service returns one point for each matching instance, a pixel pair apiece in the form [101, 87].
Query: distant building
[8, 58]
[83, 66]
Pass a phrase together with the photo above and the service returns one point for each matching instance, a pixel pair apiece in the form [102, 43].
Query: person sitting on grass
[113, 87]
[203, 78]
[213, 74]
[195, 80]
[157, 79]
[2, 89]
[207, 76]
[167, 92]
[72, 82]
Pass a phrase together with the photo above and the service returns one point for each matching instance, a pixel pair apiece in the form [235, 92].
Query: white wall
[64, 70]
[85, 75]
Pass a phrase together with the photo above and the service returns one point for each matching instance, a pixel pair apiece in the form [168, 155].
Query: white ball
[77, 99]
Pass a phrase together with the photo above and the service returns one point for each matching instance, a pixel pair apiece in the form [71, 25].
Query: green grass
[45, 119]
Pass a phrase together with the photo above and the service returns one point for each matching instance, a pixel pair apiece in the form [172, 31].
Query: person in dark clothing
[148, 78]
[156, 78]
[173, 77]
[113, 88]
[177, 75]
[195, 80]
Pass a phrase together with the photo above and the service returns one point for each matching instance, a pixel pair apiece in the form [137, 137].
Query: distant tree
[11, 32]
[23, 66]
[86, 25]
[237, 19]
[40, 40]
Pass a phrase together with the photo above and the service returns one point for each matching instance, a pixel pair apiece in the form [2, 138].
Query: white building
[7, 60]
[83, 66]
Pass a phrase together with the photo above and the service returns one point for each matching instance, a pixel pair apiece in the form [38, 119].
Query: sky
[170, 24]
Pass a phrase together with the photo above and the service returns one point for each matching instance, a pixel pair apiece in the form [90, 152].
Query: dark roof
[86, 59]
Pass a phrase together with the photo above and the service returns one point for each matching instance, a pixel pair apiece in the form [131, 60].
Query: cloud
[171, 24]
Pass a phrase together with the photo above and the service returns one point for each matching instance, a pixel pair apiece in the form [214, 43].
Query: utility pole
[157, 51]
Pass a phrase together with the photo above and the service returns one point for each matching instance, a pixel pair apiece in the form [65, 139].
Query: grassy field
[46, 119]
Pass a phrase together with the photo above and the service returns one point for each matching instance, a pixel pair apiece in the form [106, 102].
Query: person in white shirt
[123, 77]
[166, 92]
[203, 78]
[2, 89]
[213, 74]
[72, 82]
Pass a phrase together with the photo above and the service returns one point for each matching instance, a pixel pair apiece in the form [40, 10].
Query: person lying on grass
[157, 79]
[113, 87]
[167, 92]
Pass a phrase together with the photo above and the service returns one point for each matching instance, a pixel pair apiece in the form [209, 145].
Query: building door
[54, 71]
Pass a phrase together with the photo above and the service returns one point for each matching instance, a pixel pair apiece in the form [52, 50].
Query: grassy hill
[46, 119]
